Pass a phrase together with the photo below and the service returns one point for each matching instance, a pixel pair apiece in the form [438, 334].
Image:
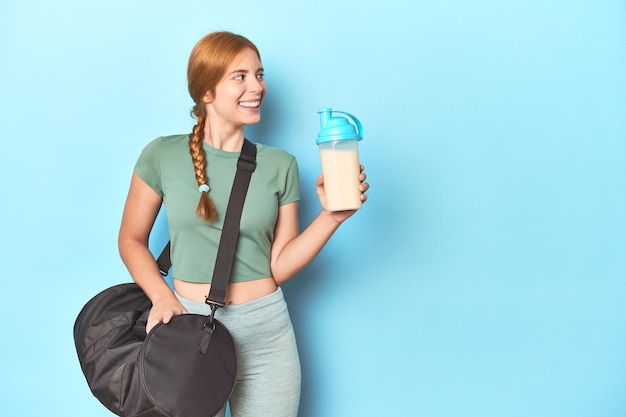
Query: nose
[256, 85]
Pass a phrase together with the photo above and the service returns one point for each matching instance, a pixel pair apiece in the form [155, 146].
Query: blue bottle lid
[334, 128]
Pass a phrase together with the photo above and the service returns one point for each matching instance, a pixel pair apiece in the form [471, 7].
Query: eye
[260, 76]
[239, 77]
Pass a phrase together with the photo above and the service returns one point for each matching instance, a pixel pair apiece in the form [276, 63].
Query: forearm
[302, 249]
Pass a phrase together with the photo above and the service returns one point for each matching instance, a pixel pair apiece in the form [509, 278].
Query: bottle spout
[325, 114]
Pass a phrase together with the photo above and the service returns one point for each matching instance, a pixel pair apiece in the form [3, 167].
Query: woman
[194, 172]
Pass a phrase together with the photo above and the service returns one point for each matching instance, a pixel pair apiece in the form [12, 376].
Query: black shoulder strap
[163, 261]
[228, 241]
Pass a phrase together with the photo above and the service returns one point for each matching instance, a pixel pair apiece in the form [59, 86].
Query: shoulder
[165, 145]
[170, 141]
[274, 154]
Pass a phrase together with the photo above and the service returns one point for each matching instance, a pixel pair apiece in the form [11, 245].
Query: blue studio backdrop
[484, 277]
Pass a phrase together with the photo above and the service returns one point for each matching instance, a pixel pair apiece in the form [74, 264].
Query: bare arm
[292, 251]
[140, 211]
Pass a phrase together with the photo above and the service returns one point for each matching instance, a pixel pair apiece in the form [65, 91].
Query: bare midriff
[236, 293]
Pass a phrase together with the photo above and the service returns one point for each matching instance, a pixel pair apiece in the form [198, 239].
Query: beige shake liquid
[341, 178]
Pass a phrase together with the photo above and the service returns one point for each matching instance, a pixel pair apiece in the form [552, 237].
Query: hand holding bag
[185, 368]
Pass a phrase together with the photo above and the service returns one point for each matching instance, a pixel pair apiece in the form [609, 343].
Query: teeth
[249, 103]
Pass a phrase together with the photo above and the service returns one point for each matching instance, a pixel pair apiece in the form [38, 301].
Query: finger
[167, 317]
[150, 325]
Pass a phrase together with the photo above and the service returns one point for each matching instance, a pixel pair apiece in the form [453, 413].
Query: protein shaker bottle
[338, 142]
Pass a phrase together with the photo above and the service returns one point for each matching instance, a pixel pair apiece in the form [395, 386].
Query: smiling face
[237, 98]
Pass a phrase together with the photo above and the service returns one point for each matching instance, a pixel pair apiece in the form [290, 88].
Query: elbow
[279, 276]
[123, 241]
[279, 280]
[127, 244]
[124, 246]
[283, 273]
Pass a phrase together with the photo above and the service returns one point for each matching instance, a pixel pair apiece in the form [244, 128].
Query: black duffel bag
[185, 368]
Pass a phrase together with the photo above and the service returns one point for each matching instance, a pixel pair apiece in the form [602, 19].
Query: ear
[207, 98]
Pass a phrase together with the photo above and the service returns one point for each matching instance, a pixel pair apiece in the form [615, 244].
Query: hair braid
[206, 207]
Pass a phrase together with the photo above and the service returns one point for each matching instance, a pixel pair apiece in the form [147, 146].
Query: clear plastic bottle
[338, 142]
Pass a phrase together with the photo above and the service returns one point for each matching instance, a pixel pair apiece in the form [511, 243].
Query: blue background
[485, 276]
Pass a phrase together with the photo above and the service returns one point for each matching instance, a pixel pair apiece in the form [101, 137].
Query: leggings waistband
[274, 300]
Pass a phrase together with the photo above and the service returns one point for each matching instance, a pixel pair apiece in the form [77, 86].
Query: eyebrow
[245, 71]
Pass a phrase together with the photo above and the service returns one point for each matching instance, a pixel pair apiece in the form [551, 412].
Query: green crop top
[165, 165]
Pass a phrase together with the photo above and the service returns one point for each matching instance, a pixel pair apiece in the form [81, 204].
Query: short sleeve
[148, 166]
[291, 191]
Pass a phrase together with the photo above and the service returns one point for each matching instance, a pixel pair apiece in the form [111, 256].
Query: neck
[229, 140]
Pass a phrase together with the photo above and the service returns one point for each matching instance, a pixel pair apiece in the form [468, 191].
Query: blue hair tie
[204, 188]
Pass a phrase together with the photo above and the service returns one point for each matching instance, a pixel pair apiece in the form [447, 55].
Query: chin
[253, 119]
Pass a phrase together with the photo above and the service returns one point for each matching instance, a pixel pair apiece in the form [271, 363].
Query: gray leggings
[268, 366]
